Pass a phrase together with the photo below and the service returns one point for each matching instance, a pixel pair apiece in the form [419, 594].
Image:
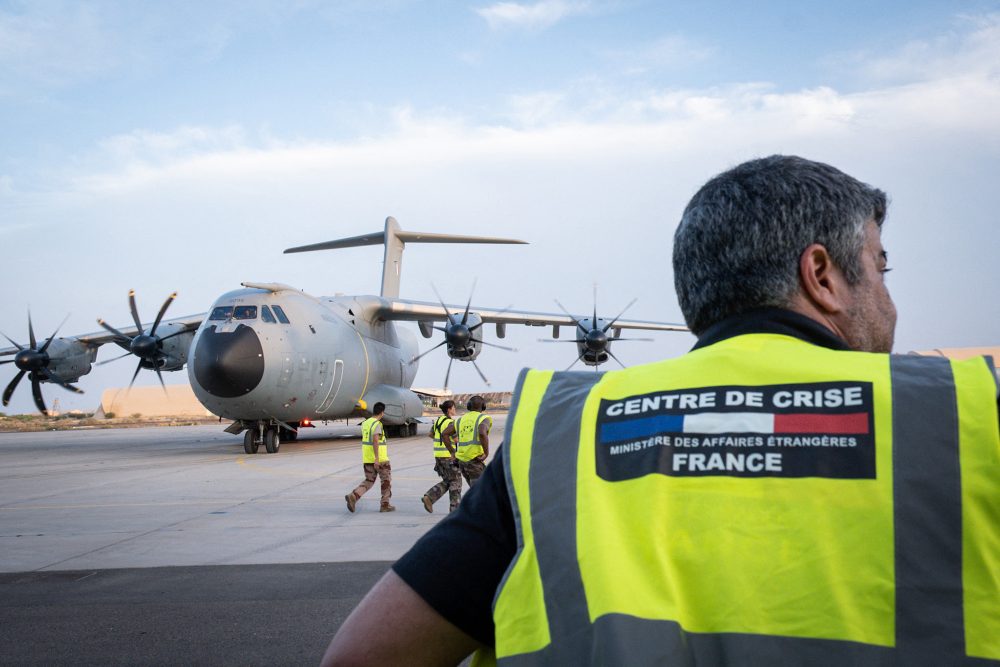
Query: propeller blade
[108, 361]
[9, 391]
[31, 334]
[551, 340]
[447, 373]
[441, 301]
[19, 347]
[575, 362]
[423, 354]
[441, 329]
[36, 393]
[499, 312]
[177, 333]
[135, 311]
[8, 361]
[159, 315]
[110, 329]
[67, 386]
[53, 336]
[134, 376]
[613, 357]
[633, 340]
[570, 316]
[502, 347]
[612, 322]
[162, 383]
[593, 322]
[468, 304]
[476, 366]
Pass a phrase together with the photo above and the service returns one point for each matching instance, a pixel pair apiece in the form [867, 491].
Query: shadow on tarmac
[203, 615]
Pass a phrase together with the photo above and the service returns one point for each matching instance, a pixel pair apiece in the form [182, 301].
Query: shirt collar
[772, 321]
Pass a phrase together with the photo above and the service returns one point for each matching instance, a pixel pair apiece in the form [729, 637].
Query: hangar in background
[179, 401]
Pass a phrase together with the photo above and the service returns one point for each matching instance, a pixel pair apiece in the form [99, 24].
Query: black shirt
[457, 566]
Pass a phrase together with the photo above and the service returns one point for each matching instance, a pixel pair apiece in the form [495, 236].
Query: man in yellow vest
[785, 493]
[473, 429]
[375, 457]
[445, 463]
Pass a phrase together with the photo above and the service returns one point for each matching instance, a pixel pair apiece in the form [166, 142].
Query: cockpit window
[245, 313]
[281, 314]
[221, 313]
[265, 314]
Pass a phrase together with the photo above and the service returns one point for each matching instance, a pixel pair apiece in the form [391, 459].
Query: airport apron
[367, 449]
[757, 501]
[440, 426]
[467, 428]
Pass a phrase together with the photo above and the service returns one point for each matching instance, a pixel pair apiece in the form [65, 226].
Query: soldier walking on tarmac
[375, 456]
[445, 464]
[473, 430]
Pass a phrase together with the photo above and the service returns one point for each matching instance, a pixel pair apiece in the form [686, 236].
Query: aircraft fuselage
[284, 355]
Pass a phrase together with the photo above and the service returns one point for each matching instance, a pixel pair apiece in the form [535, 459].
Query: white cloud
[971, 47]
[537, 16]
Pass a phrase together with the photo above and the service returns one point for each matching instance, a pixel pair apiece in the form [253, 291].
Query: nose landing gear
[271, 435]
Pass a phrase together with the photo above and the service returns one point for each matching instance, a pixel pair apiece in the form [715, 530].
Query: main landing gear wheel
[272, 440]
[412, 428]
[251, 441]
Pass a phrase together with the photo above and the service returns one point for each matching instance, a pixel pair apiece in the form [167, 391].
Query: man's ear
[823, 282]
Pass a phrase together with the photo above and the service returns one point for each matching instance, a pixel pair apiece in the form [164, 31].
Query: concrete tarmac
[172, 546]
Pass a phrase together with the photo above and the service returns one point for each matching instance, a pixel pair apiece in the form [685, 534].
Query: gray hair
[741, 236]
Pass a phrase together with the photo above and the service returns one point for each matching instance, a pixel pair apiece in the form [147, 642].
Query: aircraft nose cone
[228, 365]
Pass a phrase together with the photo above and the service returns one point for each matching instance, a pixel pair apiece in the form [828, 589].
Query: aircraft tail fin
[395, 239]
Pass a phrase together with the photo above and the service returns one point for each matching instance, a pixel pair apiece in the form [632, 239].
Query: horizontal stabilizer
[394, 239]
[378, 238]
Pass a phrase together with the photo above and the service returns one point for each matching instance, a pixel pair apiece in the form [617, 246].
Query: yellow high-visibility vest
[756, 501]
[467, 428]
[440, 426]
[367, 449]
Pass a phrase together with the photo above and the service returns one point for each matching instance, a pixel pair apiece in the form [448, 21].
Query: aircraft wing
[98, 338]
[423, 311]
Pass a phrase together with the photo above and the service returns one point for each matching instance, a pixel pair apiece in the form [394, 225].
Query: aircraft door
[335, 381]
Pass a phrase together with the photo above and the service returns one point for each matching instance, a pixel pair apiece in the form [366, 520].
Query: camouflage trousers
[384, 472]
[451, 481]
[471, 470]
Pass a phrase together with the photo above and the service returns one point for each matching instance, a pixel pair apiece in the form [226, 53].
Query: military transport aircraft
[272, 358]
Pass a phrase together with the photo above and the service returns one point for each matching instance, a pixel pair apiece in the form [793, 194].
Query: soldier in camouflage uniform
[375, 457]
[445, 463]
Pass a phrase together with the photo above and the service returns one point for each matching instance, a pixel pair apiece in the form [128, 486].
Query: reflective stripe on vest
[367, 452]
[440, 426]
[935, 610]
[467, 434]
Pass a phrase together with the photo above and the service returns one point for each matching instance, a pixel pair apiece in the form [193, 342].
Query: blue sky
[181, 146]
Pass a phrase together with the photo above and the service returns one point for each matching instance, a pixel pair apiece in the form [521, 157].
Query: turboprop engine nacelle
[593, 344]
[461, 337]
[174, 346]
[69, 360]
